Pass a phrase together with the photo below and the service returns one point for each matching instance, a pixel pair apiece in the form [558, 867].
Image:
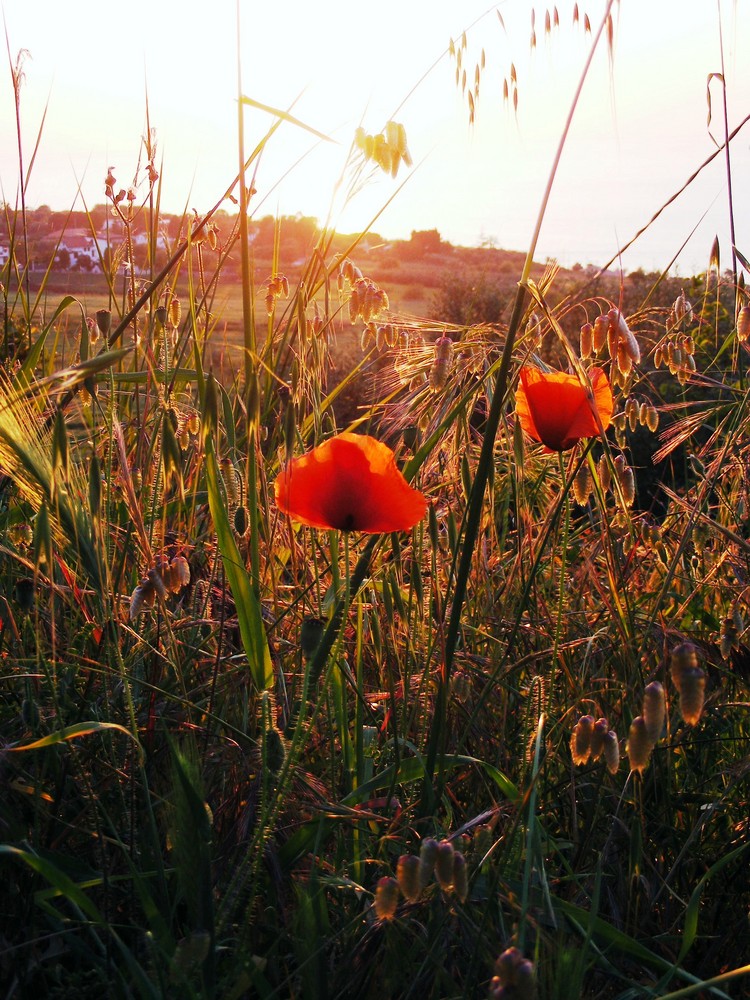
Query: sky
[639, 130]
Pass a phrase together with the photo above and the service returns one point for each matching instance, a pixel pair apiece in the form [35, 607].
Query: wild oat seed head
[654, 710]
[639, 745]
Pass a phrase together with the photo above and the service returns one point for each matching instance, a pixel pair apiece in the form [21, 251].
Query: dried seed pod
[386, 898]
[103, 321]
[155, 577]
[514, 977]
[179, 574]
[582, 485]
[652, 418]
[631, 412]
[580, 741]
[743, 324]
[692, 690]
[625, 335]
[427, 855]
[611, 752]
[587, 341]
[654, 710]
[684, 657]
[598, 735]
[624, 359]
[601, 329]
[241, 520]
[604, 472]
[626, 479]
[175, 311]
[444, 864]
[407, 874]
[441, 365]
[658, 357]
[142, 597]
[460, 876]
[639, 745]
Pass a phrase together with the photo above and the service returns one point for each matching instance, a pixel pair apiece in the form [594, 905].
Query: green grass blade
[249, 616]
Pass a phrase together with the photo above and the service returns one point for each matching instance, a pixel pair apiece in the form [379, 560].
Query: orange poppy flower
[349, 482]
[554, 407]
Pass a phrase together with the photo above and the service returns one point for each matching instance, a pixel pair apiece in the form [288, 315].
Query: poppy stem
[565, 500]
[432, 793]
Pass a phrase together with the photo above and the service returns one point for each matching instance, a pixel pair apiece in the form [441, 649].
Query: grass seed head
[611, 752]
[580, 741]
[427, 856]
[598, 735]
[743, 324]
[386, 898]
[684, 657]
[654, 709]
[582, 485]
[640, 745]
[587, 341]
[692, 689]
[407, 874]
[460, 876]
[444, 864]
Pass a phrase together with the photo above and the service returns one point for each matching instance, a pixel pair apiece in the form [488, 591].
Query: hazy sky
[639, 131]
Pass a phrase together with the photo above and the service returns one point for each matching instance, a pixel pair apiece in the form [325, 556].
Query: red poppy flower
[554, 408]
[349, 482]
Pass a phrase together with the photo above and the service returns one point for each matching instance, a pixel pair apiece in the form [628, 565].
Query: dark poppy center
[348, 522]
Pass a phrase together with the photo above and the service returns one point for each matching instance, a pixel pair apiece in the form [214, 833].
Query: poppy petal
[555, 408]
[349, 482]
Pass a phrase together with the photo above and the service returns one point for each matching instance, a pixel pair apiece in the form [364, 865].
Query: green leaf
[73, 732]
[249, 615]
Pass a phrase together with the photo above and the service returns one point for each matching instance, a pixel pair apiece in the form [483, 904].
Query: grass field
[457, 707]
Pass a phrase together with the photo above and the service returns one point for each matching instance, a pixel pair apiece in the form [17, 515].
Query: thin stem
[476, 500]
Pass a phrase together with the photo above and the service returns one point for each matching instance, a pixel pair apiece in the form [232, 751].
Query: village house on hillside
[79, 250]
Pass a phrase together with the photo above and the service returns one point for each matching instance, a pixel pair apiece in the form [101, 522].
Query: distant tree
[62, 259]
[464, 300]
[424, 241]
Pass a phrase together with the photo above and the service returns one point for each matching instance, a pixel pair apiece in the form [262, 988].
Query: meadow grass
[503, 753]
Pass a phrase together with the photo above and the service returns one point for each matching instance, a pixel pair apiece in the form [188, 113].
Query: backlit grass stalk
[436, 745]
